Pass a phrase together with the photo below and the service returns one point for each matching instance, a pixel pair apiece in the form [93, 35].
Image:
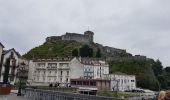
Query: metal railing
[37, 94]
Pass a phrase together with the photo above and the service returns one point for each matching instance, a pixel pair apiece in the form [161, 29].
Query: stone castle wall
[87, 37]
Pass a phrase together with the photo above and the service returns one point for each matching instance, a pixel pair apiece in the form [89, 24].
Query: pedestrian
[167, 95]
[161, 95]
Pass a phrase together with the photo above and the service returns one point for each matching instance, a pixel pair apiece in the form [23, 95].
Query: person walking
[161, 95]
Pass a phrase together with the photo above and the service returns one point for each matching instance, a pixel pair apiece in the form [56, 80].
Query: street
[13, 96]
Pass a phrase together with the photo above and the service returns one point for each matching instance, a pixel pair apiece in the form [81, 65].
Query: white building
[94, 68]
[121, 81]
[60, 70]
[1, 49]
[14, 63]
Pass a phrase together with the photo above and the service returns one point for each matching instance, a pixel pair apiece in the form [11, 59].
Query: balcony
[63, 68]
[51, 67]
[41, 68]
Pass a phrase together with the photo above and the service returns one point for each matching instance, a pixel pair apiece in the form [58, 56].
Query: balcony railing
[63, 67]
[51, 67]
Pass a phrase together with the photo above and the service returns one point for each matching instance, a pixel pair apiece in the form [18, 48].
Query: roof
[53, 59]
[2, 45]
[92, 61]
[120, 73]
[6, 51]
[84, 79]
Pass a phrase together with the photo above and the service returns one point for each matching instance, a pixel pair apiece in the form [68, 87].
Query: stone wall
[87, 37]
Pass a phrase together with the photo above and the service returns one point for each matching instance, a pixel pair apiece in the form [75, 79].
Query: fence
[37, 94]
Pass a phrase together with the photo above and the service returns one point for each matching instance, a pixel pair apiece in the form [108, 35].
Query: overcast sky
[139, 26]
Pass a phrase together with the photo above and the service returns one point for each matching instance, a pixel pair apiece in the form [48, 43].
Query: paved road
[13, 96]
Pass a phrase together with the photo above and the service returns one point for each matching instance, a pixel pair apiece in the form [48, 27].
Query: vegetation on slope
[53, 49]
[141, 68]
[149, 73]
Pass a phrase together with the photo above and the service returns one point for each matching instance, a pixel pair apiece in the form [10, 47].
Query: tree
[157, 68]
[75, 53]
[6, 74]
[98, 54]
[86, 51]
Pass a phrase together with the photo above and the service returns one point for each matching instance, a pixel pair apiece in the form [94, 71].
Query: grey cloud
[141, 27]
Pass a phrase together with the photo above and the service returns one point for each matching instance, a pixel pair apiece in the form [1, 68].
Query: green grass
[60, 48]
[116, 94]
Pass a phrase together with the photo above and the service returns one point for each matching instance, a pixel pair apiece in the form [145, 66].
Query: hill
[53, 49]
[148, 72]
[65, 48]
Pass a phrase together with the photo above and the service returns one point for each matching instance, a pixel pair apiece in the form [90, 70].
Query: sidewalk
[13, 96]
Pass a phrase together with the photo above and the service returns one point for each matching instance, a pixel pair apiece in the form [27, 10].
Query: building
[13, 65]
[87, 37]
[121, 81]
[1, 50]
[61, 70]
[22, 70]
[91, 86]
[94, 68]
[54, 70]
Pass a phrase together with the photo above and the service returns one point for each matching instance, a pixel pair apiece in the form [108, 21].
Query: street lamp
[21, 72]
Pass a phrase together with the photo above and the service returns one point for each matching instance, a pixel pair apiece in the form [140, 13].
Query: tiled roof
[52, 59]
[6, 51]
[120, 73]
[92, 61]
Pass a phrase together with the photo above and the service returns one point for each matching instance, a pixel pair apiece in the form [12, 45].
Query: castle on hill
[87, 37]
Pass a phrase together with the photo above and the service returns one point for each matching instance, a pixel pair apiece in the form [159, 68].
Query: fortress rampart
[87, 37]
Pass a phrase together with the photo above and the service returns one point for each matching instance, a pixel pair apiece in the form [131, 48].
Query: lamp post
[20, 74]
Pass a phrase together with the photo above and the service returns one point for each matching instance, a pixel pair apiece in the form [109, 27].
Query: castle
[87, 37]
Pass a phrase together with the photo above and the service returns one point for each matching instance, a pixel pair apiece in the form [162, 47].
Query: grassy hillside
[50, 49]
[141, 68]
[145, 70]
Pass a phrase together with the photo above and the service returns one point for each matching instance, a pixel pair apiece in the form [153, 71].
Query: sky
[139, 26]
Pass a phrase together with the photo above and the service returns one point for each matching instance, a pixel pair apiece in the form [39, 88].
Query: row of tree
[86, 51]
[162, 74]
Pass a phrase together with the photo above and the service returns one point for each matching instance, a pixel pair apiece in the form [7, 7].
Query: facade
[13, 65]
[94, 68]
[87, 37]
[22, 70]
[121, 81]
[61, 70]
[54, 70]
[91, 86]
[1, 49]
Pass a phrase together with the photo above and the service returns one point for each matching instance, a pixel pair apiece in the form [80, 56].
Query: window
[93, 83]
[132, 80]
[66, 79]
[61, 73]
[68, 73]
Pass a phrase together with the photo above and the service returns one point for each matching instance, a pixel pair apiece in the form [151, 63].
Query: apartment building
[121, 81]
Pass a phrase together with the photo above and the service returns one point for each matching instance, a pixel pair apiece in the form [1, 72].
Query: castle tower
[90, 34]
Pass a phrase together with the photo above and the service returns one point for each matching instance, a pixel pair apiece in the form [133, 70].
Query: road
[13, 96]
